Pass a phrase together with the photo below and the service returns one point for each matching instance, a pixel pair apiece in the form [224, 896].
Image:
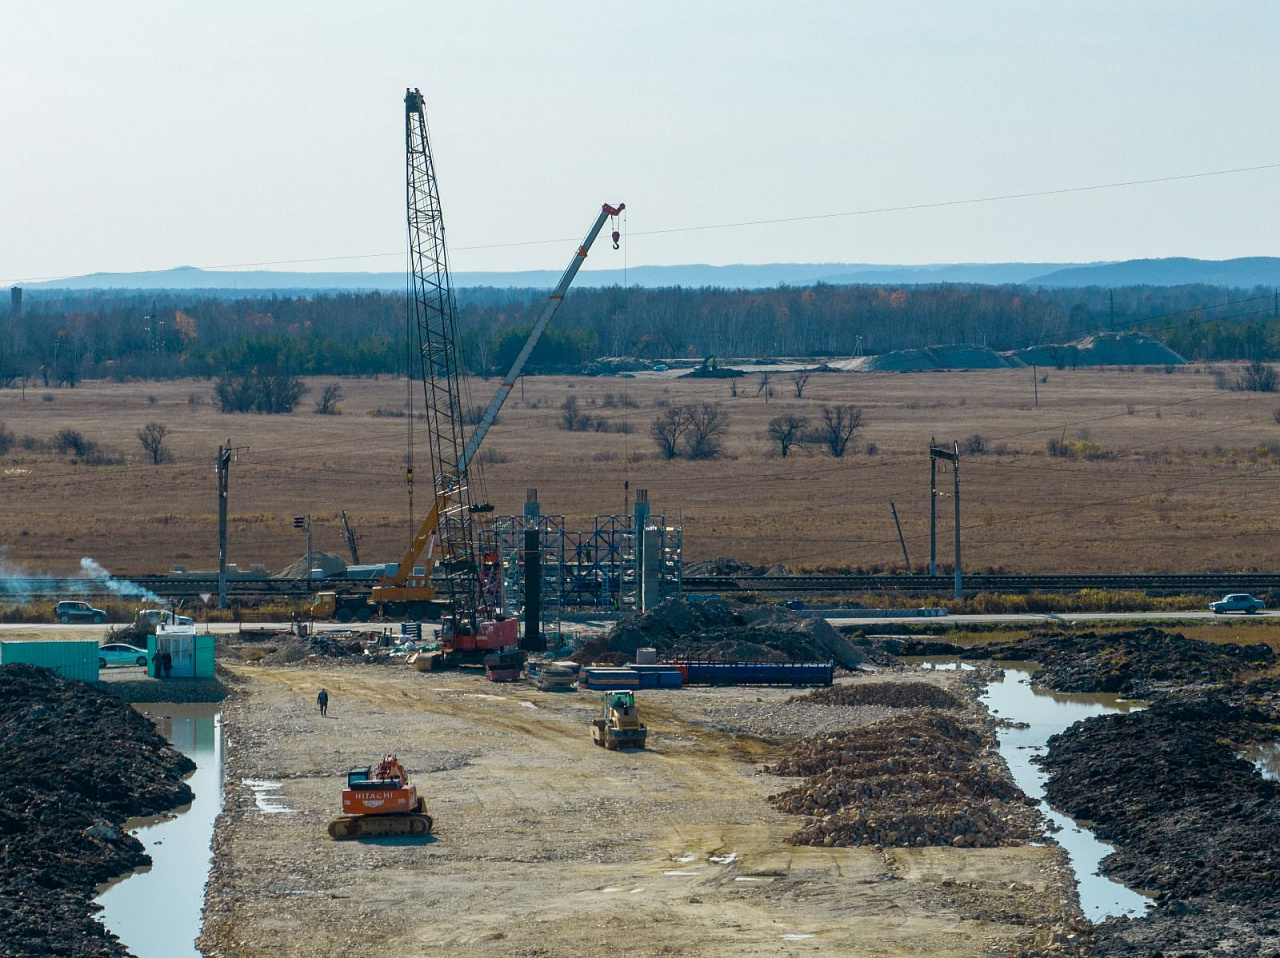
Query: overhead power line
[744, 224]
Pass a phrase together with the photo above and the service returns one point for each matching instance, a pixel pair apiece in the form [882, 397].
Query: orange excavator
[378, 802]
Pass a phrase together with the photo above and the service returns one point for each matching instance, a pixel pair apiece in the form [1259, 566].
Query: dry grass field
[1167, 472]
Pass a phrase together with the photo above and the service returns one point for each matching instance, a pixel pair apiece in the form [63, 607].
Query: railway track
[188, 588]
[984, 582]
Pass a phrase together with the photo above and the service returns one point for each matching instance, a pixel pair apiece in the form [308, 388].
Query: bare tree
[327, 404]
[152, 437]
[235, 392]
[765, 388]
[799, 381]
[1257, 377]
[839, 423]
[708, 424]
[572, 418]
[668, 429]
[279, 392]
[786, 431]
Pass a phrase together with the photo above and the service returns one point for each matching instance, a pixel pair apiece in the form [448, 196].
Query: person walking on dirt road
[322, 700]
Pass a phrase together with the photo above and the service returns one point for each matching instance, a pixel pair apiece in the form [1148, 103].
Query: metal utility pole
[955, 472]
[304, 522]
[350, 535]
[905, 558]
[952, 456]
[224, 476]
[933, 510]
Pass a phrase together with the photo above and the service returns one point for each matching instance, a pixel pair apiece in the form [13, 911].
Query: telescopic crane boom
[443, 544]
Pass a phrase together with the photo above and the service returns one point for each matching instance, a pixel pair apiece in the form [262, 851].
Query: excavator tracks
[416, 824]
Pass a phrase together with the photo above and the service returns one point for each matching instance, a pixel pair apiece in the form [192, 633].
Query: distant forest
[63, 337]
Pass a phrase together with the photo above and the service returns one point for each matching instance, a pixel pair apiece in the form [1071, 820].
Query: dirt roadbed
[547, 845]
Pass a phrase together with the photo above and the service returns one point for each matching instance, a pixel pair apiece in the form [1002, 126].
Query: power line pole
[933, 511]
[952, 456]
[905, 558]
[352, 538]
[304, 522]
[224, 476]
[955, 472]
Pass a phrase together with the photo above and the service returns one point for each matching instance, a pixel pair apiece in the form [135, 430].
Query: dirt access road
[547, 845]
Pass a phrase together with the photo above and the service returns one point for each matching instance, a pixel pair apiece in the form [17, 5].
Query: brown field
[1183, 479]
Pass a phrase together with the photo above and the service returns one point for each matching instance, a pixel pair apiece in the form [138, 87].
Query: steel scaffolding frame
[582, 569]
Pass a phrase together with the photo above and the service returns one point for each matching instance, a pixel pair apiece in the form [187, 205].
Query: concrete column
[651, 569]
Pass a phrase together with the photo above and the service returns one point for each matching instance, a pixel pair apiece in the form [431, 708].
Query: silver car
[1236, 602]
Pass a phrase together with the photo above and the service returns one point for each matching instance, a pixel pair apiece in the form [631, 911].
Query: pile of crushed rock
[908, 781]
[75, 763]
[719, 629]
[904, 695]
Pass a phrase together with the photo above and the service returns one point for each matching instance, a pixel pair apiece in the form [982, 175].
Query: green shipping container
[71, 659]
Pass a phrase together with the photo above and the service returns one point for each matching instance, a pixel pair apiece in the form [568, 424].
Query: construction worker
[322, 700]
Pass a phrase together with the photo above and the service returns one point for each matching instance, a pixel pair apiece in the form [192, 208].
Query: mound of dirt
[905, 695]
[1103, 349]
[613, 365]
[908, 781]
[725, 630]
[930, 357]
[295, 648]
[1192, 822]
[75, 763]
[297, 569]
[722, 565]
[1139, 663]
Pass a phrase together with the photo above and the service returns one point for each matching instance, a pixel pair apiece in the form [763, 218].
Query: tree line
[62, 337]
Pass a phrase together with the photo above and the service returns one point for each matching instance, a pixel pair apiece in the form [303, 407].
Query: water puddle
[1047, 714]
[156, 911]
[1267, 759]
[263, 797]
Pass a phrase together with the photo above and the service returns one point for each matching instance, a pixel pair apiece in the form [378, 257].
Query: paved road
[98, 632]
[1041, 618]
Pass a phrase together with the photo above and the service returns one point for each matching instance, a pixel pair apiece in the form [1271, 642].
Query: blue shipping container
[758, 673]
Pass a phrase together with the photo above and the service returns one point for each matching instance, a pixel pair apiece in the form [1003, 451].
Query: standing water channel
[156, 911]
[1045, 714]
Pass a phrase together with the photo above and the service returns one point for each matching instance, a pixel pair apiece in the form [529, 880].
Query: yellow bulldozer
[619, 725]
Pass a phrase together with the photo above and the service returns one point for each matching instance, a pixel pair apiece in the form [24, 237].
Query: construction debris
[908, 781]
[719, 629]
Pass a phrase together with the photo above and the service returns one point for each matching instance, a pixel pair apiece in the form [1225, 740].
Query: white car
[150, 618]
[1236, 602]
[117, 653]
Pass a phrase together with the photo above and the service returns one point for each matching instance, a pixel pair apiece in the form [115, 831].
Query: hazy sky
[145, 135]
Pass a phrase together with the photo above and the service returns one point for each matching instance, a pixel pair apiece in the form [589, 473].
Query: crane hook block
[616, 236]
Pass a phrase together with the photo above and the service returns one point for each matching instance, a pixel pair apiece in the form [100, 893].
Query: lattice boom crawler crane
[441, 563]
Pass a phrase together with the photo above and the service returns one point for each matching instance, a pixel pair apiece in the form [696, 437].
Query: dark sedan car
[73, 611]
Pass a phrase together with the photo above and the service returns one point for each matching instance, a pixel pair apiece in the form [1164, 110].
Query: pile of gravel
[904, 695]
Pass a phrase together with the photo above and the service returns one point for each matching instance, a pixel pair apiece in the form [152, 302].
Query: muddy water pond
[1046, 714]
[156, 911]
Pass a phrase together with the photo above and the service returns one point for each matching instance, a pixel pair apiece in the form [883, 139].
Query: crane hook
[616, 235]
